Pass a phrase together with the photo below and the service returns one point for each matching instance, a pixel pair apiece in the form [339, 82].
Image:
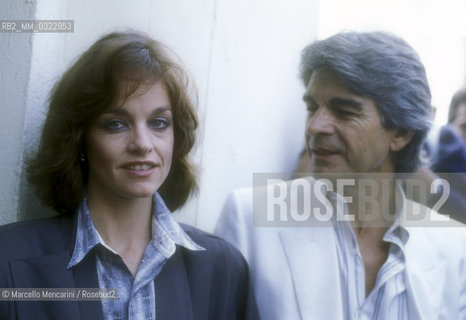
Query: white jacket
[295, 270]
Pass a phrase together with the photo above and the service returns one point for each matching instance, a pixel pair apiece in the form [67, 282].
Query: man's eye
[311, 108]
[346, 113]
[115, 125]
[159, 123]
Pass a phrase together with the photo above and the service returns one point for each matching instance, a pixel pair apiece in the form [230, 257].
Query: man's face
[460, 120]
[344, 132]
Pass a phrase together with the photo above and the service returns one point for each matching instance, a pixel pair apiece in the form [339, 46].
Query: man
[457, 113]
[448, 159]
[368, 107]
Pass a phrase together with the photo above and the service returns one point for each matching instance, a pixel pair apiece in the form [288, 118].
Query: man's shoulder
[300, 202]
[35, 237]
[270, 191]
[443, 236]
[438, 232]
[419, 215]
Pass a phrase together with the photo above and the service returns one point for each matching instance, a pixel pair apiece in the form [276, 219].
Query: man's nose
[320, 122]
[140, 140]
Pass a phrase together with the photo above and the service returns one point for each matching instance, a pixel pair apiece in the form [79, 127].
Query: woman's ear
[400, 139]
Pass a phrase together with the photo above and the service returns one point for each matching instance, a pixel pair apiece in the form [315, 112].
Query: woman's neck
[124, 224]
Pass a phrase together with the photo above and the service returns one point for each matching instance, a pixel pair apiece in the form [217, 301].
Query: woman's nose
[140, 140]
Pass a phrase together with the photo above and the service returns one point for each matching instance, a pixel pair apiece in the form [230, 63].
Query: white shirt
[388, 299]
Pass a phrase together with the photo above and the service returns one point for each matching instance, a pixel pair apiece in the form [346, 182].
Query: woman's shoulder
[218, 277]
[215, 247]
[35, 237]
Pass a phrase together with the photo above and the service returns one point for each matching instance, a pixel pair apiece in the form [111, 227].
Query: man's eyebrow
[345, 102]
[337, 102]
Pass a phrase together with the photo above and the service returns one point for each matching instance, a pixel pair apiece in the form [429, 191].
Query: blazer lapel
[313, 265]
[85, 276]
[172, 295]
[424, 276]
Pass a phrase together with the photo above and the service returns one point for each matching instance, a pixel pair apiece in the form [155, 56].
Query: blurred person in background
[457, 113]
[448, 160]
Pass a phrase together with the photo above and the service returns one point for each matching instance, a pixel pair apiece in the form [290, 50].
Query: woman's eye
[115, 125]
[159, 123]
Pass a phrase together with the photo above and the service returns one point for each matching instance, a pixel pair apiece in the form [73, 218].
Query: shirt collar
[166, 233]
[397, 233]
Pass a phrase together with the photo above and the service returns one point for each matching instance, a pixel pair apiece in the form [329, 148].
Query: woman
[113, 161]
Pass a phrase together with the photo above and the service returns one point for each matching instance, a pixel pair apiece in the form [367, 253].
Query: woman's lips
[140, 168]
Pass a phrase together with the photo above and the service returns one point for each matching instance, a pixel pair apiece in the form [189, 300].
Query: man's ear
[400, 139]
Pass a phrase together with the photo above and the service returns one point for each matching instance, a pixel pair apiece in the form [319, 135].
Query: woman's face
[129, 147]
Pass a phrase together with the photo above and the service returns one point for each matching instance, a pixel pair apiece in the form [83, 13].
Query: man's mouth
[323, 152]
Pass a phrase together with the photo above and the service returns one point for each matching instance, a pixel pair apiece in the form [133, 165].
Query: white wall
[254, 117]
[15, 59]
[435, 29]
[243, 55]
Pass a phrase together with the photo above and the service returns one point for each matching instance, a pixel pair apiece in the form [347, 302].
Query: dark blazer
[211, 284]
